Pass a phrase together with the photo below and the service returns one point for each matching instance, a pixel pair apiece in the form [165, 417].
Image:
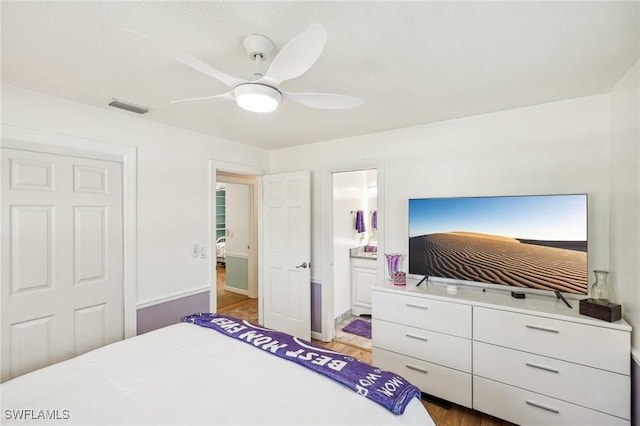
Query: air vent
[129, 107]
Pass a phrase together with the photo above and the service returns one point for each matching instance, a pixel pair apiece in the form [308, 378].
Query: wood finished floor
[456, 415]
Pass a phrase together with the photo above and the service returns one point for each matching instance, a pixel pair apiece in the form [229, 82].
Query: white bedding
[186, 374]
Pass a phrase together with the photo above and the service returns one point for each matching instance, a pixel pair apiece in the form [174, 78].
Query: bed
[221, 250]
[187, 374]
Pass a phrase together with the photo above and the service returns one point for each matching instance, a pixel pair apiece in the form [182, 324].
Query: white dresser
[529, 361]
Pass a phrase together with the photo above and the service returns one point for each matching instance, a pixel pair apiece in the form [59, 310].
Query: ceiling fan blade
[297, 56]
[191, 61]
[229, 96]
[325, 100]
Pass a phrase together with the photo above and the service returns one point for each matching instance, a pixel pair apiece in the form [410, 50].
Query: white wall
[625, 198]
[173, 181]
[560, 147]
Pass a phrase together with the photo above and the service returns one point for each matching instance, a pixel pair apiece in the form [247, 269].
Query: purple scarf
[384, 387]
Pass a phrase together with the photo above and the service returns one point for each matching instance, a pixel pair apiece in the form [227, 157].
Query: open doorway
[233, 224]
[235, 244]
[355, 254]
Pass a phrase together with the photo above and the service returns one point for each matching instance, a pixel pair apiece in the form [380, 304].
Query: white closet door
[62, 258]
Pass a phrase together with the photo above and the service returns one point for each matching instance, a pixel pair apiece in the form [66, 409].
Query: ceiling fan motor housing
[258, 45]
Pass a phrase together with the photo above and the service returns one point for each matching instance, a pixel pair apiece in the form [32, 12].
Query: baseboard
[342, 317]
[237, 290]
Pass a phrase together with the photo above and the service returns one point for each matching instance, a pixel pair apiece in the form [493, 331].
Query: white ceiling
[412, 62]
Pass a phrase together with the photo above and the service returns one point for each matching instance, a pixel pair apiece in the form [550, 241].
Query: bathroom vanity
[363, 278]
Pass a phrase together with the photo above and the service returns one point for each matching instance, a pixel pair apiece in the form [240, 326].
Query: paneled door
[287, 253]
[62, 258]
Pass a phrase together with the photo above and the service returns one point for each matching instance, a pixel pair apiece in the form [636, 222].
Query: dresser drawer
[443, 382]
[598, 347]
[590, 387]
[434, 315]
[438, 348]
[528, 408]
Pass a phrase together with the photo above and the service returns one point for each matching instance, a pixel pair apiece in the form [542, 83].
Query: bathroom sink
[365, 255]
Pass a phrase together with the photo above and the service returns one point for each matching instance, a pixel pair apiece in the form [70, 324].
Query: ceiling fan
[264, 94]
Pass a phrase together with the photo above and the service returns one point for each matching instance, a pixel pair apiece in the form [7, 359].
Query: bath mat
[359, 328]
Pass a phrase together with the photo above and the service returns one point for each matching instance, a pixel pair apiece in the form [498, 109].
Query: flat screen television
[530, 242]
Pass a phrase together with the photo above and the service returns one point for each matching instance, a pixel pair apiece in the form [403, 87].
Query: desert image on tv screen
[524, 241]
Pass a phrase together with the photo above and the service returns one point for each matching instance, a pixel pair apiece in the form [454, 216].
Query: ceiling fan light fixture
[257, 97]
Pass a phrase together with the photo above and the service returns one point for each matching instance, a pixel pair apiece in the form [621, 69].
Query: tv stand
[425, 278]
[560, 296]
[527, 361]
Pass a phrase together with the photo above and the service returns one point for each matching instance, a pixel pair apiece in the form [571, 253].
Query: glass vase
[393, 262]
[600, 288]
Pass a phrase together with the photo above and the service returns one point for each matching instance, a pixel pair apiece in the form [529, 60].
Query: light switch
[195, 251]
[203, 252]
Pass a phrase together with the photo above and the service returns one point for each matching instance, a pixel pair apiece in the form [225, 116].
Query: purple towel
[360, 228]
[384, 387]
[374, 219]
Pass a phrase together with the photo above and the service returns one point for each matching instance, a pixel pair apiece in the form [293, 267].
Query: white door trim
[327, 285]
[256, 238]
[53, 143]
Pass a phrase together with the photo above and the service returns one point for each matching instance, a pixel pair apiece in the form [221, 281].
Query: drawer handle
[544, 407]
[413, 305]
[542, 367]
[413, 336]
[413, 367]
[537, 327]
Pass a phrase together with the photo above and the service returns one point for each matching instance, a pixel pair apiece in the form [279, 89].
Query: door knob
[303, 265]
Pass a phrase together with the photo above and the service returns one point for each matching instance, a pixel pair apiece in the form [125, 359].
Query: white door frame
[53, 143]
[255, 252]
[252, 182]
[327, 289]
